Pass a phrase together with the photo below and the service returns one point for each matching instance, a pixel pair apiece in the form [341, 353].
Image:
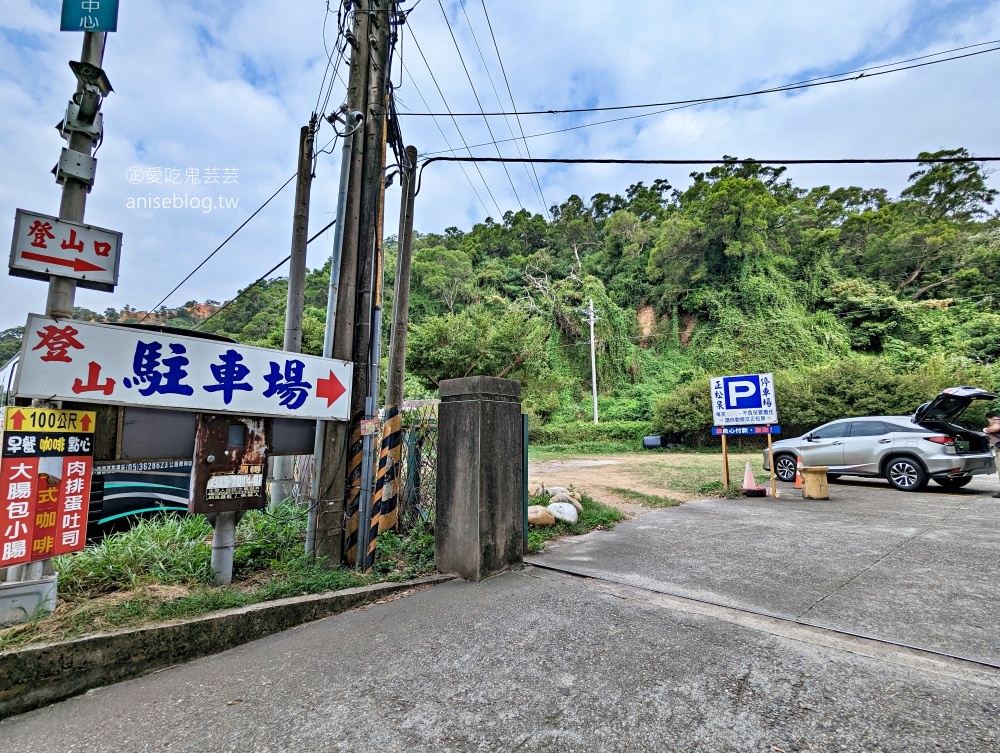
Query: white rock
[564, 511]
[564, 497]
[556, 490]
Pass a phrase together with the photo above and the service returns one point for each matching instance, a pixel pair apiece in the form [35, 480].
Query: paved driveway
[921, 569]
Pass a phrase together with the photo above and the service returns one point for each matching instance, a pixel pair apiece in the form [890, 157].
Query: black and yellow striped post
[387, 481]
[352, 503]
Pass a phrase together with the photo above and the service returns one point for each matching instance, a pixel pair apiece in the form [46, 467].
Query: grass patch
[596, 516]
[161, 570]
[612, 447]
[641, 498]
[717, 489]
[696, 474]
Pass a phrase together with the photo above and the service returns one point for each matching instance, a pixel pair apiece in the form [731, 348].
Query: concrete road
[536, 660]
[917, 568]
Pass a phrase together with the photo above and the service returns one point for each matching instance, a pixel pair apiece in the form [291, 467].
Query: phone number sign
[99, 363]
[744, 400]
[46, 460]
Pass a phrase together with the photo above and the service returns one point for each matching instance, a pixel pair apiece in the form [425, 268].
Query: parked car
[906, 451]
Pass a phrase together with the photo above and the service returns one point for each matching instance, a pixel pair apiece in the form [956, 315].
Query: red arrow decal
[16, 419]
[78, 265]
[85, 422]
[330, 388]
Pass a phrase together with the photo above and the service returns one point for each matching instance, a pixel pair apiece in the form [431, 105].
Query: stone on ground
[564, 511]
[565, 497]
[540, 516]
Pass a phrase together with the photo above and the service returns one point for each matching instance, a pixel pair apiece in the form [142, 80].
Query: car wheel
[906, 474]
[784, 467]
[953, 482]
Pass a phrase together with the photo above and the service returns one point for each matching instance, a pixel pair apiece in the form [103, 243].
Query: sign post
[44, 246]
[101, 363]
[744, 405]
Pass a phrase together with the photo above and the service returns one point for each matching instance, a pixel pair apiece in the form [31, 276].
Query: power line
[478, 102]
[724, 161]
[258, 281]
[837, 78]
[512, 104]
[438, 124]
[218, 248]
[608, 121]
[461, 136]
[536, 189]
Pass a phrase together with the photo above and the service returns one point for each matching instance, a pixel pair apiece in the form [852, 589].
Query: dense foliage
[859, 301]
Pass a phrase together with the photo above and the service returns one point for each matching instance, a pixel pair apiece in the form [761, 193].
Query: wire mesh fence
[419, 466]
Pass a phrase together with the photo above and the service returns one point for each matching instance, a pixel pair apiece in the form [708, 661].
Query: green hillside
[860, 302]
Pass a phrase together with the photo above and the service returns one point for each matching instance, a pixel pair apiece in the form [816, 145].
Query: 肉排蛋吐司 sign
[46, 459]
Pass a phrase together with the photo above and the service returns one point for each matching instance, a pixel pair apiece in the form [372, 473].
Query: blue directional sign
[729, 431]
[89, 15]
[745, 400]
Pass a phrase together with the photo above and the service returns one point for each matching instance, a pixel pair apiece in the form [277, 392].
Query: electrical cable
[837, 78]
[258, 281]
[486, 67]
[620, 119]
[724, 161]
[446, 141]
[475, 94]
[218, 248]
[461, 136]
[518, 117]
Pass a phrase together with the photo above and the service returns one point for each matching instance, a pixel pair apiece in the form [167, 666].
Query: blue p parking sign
[746, 400]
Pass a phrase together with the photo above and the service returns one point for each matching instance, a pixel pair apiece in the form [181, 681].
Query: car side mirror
[809, 437]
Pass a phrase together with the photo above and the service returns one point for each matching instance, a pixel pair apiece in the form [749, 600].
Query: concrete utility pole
[326, 532]
[62, 290]
[283, 466]
[592, 319]
[362, 404]
[392, 434]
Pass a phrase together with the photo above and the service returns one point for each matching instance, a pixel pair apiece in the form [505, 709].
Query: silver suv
[906, 451]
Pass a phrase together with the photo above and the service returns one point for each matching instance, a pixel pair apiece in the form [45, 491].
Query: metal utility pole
[62, 290]
[328, 433]
[80, 133]
[592, 319]
[283, 466]
[325, 536]
[362, 403]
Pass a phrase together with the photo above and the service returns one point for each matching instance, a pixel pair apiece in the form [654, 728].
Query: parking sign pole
[725, 462]
[770, 463]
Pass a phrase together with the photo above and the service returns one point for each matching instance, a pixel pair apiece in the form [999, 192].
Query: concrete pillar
[479, 524]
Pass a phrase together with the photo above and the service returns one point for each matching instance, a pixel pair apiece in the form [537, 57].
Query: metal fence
[419, 488]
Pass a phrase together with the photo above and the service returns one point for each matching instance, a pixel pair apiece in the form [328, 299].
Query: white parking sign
[745, 400]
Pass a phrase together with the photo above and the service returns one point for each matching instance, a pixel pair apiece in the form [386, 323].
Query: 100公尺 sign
[746, 400]
[98, 363]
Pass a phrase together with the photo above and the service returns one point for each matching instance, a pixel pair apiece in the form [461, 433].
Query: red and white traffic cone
[798, 474]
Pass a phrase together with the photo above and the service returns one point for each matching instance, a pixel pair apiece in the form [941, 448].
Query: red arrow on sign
[16, 419]
[79, 265]
[85, 422]
[330, 388]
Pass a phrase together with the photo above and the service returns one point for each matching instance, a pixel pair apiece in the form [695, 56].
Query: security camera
[91, 76]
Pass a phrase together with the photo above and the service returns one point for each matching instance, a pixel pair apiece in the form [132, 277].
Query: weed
[595, 516]
[646, 500]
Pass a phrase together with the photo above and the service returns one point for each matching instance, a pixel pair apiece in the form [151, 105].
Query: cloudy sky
[206, 88]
